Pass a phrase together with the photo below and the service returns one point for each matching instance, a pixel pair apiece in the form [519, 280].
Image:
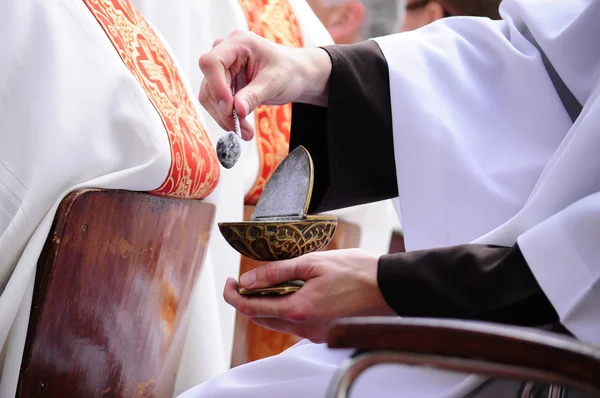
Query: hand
[339, 283]
[263, 73]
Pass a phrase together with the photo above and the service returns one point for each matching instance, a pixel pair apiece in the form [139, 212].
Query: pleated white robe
[71, 116]
[485, 152]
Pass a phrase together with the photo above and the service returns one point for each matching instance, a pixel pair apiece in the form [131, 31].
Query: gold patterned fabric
[194, 170]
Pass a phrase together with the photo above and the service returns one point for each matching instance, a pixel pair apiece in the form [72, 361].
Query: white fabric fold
[73, 116]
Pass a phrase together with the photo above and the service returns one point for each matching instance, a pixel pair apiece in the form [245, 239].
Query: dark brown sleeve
[350, 141]
[477, 282]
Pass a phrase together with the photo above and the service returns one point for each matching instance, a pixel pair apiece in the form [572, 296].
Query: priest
[78, 112]
[487, 131]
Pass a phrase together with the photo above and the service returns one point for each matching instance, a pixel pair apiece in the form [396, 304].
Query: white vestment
[485, 152]
[73, 116]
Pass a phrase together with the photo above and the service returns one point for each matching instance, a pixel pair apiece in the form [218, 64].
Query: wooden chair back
[110, 305]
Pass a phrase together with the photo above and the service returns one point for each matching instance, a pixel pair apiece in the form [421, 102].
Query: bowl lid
[287, 193]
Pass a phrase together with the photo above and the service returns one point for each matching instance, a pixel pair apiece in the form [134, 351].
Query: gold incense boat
[280, 227]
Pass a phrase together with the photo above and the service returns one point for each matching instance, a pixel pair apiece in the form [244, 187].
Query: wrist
[376, 304]
[316, 72]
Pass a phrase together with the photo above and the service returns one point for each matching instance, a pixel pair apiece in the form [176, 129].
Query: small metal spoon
[229, 146]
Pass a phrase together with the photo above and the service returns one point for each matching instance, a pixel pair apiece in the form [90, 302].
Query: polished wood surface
[112, 288]
[252, 342]
[476, 347]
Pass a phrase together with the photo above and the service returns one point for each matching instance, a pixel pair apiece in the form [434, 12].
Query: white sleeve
[564, 254]
[476, 117]
[567, 31]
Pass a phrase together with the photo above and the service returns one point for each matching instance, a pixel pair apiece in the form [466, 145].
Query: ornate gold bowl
[280, 228]
[273, 240]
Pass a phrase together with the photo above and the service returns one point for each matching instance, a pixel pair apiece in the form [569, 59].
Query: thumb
[278, 272]
[262, 88]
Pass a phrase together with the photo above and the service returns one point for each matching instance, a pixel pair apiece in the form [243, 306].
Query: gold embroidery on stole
[194, 170]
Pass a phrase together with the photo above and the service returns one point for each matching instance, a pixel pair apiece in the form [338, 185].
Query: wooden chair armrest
[475, 347]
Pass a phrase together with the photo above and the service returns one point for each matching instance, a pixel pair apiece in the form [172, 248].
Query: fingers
[290, 307]
[208, 102]
[265, 86]
[230, 60]
[256, 306]
[279, 272]
[224, 67]
[215, 67]
[220, 66]
[247, 130]
[206, 99]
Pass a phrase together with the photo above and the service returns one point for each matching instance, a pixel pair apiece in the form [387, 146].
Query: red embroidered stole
[194, 170]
